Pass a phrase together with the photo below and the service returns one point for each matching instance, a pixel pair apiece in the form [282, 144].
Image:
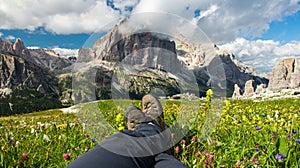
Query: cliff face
[119, 54]
[144, 49]
[285, 74]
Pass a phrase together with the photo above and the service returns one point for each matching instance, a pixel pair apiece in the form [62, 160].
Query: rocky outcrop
[217, 64]
[15, 48]
[249, 88]
[261, 89]
[237, 92]
[18, 46]
[285, 74]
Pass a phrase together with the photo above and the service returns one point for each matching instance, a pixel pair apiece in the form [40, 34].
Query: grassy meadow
[246, 134]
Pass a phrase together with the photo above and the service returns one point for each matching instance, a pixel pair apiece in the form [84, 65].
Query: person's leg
[134, 148]
[131, 148]
[153, 109]
[100, 157]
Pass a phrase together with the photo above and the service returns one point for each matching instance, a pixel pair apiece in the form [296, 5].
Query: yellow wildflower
[120, 128]
[61, 126]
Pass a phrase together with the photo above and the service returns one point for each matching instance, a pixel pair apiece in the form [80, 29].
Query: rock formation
[144, 49]
[285, 74]
[237, 92]
[12, 48]
[18, 47]
[249, 88]
[261, 89]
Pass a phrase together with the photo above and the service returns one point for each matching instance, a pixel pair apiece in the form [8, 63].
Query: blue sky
[258, 32]
[46, 39]
[286, 30]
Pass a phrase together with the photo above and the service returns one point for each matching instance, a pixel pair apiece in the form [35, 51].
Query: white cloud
[262, 54]
[10, 37]
[212, 9]
[33, 47]
[65, 52]
[58, 16]
[221, 20]
[225, 20]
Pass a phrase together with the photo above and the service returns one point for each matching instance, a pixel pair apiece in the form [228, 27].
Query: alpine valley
[128, 63]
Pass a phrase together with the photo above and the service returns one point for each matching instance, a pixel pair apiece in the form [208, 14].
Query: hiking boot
[134, 116]
[153, 109]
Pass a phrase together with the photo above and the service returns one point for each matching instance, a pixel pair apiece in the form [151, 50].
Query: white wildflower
[46, 138]
[72, 124]
[32, 130]
[276, 114]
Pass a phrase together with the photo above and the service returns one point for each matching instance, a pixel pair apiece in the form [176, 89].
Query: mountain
[120, 56]
[43, 58]
[29, 80]
[17, 72]
[204, 59]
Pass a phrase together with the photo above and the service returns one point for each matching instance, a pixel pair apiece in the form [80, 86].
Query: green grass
[247, 133]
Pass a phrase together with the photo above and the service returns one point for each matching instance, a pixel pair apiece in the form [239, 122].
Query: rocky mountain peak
[18, 46]
[14, 48]
[145, 49]
[43, 58]
[171, 54]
